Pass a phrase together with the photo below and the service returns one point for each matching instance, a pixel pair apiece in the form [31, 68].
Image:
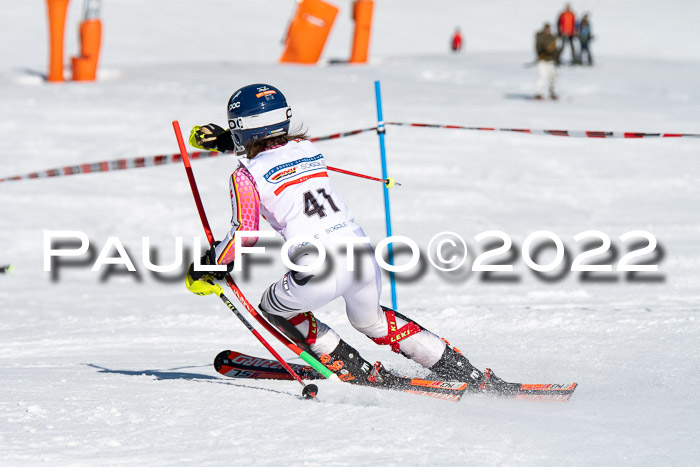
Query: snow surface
[118, 370]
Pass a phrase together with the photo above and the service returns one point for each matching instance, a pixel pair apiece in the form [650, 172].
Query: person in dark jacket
[547, 56]
[583, 31]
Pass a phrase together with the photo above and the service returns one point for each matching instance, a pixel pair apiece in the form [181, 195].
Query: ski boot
[455, 367]
[350, 367]
[347, 363]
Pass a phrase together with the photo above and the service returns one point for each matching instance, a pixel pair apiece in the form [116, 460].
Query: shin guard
[396, 334]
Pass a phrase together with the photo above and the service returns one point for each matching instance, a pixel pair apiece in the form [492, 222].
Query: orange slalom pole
[57, 25]
[362, 14]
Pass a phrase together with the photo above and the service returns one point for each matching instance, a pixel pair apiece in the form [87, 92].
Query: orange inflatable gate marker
[57, 25]
[362, 14]
[85, 66]
[308, 32]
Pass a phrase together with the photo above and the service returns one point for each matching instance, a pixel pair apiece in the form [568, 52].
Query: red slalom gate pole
[237, 291]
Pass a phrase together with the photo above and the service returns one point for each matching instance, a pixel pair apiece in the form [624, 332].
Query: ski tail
[237, 365]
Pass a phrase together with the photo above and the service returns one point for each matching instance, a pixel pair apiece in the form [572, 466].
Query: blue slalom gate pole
[387, 209]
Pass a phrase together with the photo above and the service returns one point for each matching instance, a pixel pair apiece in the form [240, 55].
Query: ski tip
[546, 392]
[549, 387]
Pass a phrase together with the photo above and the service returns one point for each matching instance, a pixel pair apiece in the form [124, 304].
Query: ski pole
[306, 356]
[389, 182]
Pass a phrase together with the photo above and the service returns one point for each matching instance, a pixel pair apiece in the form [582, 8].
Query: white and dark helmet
[257, 111]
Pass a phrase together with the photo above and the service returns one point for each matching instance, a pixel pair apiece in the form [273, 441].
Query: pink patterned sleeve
[245, 202]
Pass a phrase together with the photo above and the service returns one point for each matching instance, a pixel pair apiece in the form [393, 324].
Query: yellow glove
[205, 136]
[204, 286]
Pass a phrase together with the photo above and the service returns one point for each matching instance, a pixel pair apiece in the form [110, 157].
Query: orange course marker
[308, 32]
[57, 25]
[362, 14]
[85, 66]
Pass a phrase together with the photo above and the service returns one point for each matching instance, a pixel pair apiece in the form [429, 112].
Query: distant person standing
[457, 41]
[566, 29]
[547, 56]
[585, 35]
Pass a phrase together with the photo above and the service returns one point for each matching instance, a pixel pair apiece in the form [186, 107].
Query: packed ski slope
[116, 368]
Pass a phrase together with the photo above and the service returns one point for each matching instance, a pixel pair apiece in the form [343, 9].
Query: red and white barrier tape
[108, 166]
[147, 161]
[150, 161]
[138, 162]
[342, 135]
[570, 133]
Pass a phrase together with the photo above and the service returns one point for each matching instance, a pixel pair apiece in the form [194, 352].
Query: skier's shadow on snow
[519, 96]
[172, 373]
[159, 374]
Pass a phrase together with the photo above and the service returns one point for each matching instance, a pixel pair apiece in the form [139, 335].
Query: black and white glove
[211, 137]
[209, 259]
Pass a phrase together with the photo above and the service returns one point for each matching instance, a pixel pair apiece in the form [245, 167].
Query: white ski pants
[299, 292]
[546, 75]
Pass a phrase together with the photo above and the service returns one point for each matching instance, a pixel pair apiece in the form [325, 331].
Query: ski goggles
[261, 120]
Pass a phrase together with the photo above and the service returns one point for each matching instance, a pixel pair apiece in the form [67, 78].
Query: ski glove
[211, 137]
[202, 282]
[209, 259]
[204, 286]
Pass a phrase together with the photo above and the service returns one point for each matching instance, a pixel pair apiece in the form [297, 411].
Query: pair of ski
[237, 365]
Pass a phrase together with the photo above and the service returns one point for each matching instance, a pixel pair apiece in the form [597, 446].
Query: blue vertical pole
[387, 209]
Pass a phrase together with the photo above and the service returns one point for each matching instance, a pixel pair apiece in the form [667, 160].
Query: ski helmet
[257, 111]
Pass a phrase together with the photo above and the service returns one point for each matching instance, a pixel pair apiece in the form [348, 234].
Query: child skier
[283, 177]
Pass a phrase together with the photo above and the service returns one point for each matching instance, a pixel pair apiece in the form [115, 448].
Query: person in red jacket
[457, 41]
[566, 29]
